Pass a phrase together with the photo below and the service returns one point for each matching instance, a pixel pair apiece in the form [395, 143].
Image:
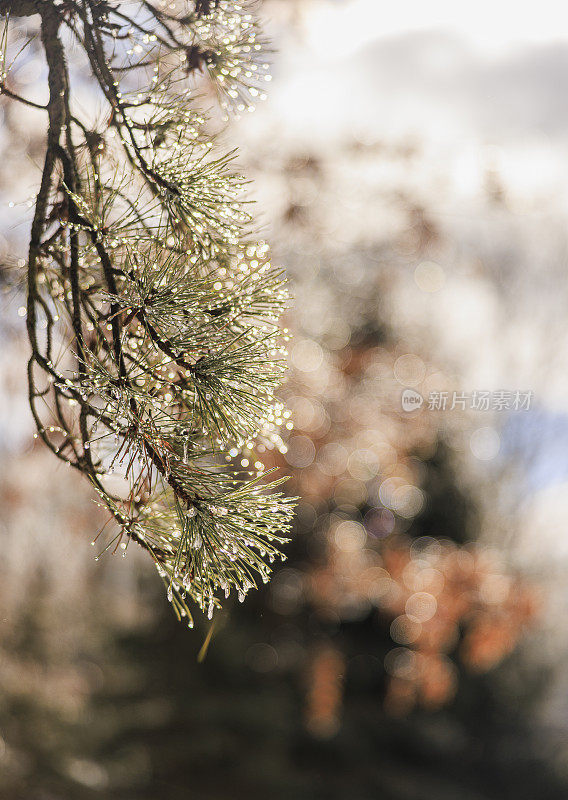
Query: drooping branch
[140, 258]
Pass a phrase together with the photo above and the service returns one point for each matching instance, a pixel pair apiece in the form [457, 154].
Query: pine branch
[141, 255]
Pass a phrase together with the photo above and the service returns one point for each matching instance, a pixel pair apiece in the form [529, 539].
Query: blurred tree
[292, 699]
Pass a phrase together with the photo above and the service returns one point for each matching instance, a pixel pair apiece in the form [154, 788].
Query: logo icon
[411, 400]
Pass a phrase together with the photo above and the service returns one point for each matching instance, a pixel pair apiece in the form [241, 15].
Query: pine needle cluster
[153, 310]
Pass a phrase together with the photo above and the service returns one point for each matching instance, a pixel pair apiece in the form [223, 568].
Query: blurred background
[411, 172]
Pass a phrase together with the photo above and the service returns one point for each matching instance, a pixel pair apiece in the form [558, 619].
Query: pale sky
[494, 25]
[439, 70]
